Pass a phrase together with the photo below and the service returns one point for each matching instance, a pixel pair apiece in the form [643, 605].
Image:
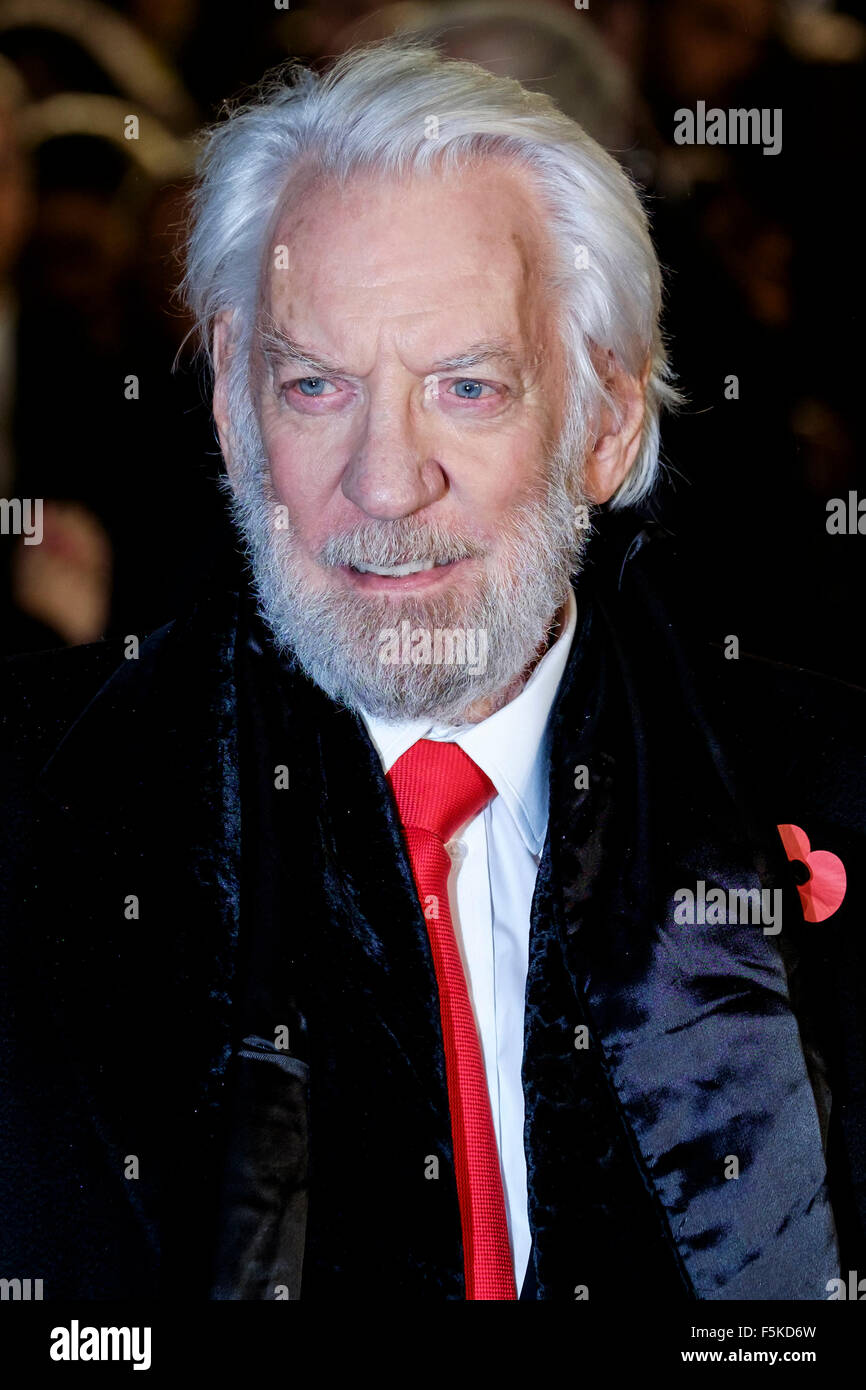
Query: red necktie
[438, 788]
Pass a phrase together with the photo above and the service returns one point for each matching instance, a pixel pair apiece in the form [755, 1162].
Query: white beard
[337, 636]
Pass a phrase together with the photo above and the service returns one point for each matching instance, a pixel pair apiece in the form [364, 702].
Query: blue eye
[316, 385]
[469, 390]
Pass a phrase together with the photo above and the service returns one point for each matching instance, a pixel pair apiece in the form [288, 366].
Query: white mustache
[394, 549]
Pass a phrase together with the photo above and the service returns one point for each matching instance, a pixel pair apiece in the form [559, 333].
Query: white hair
[398, 106]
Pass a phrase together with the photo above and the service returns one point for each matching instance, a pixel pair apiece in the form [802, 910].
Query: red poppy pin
[822, 893]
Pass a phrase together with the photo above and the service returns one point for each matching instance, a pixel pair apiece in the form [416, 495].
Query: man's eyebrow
[279, 349]
[496, 351]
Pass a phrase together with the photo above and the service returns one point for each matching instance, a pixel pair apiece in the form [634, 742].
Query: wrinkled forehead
[469, 241]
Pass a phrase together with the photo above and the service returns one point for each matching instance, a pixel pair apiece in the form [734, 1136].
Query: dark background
[763, 259]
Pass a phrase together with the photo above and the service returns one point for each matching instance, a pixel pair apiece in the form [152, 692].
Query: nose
[392, 473]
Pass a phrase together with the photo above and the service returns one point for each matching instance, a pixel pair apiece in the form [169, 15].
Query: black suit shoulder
[43, 694]
[793, 728]
[796, 736]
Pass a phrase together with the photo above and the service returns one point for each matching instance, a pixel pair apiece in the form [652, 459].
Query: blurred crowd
[102, 410]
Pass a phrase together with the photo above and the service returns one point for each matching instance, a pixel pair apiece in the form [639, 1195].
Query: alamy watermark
[21, 1290]
[846, 516]
[738, 126]
[77, 1343]
[853, 1288]
[22, 516]
[438, 646]
[715, 907]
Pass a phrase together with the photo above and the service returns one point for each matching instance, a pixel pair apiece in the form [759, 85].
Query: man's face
[409, 423]
[386, 284]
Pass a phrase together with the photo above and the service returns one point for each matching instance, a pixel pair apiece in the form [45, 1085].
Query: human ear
[222, 348]
[618, 435]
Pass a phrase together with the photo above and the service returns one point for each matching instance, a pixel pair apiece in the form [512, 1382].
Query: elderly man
[417, 917]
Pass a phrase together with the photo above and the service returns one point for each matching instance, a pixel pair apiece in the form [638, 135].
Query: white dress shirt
[494, 867]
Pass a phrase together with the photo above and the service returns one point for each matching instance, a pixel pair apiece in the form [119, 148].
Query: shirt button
[457, 850]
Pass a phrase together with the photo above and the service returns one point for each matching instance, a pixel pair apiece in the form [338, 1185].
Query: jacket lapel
[383, 1197]
[680, 1017]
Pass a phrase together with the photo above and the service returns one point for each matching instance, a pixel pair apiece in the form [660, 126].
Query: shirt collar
[510, 746]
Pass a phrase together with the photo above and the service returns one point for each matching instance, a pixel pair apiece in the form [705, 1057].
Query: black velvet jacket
[222, 1065]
